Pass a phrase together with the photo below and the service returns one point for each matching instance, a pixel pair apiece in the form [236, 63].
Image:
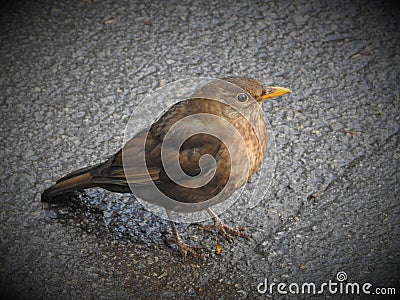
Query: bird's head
[256, 89]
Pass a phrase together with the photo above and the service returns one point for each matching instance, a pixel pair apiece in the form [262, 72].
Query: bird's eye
[242, 97]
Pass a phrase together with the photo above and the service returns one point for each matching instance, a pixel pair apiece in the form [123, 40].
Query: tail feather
[76, 173]
[81, 179]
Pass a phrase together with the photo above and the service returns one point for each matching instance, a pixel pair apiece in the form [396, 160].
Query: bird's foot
[226, 230]
[186, 249]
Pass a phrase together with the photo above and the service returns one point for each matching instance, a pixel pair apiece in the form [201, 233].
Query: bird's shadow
[117, 217]
[108, 216]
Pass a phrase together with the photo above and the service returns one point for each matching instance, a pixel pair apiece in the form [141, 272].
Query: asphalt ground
[71, 74]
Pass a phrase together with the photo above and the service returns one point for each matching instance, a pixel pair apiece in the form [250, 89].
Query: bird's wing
[126, 166]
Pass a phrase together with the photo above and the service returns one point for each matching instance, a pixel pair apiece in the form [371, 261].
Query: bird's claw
[225, 230]
[186, 249]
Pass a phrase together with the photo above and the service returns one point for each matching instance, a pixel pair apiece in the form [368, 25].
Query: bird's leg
[183, 247]
[224, 229]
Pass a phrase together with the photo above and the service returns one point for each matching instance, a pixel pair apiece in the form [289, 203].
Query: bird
[195, 155]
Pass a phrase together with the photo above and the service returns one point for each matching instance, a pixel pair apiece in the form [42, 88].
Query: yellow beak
[276, 91]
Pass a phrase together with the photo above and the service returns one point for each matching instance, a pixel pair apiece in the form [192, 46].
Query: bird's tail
[80, 179]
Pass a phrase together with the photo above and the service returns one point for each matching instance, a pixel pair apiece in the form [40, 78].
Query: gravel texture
[73, 71]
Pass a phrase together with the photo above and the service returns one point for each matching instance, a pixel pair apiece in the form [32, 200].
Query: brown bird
[194, 156]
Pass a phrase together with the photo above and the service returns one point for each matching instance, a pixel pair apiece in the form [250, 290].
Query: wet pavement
[72, 73]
